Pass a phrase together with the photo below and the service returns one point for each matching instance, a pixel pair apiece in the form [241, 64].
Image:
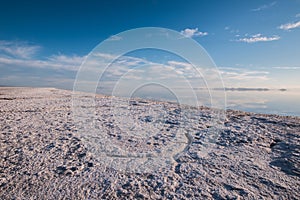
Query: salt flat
[46, 150]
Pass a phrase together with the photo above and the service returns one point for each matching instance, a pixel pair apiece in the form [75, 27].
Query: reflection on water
[269, 102]
[258, 101]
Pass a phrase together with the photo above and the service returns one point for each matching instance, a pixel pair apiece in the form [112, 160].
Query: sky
[253, 43]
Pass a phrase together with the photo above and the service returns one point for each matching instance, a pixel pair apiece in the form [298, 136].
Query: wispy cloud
[231, 30]
[236, 77]
[258, 38]
[190, 32]
[289, 26]
[22, 54]
[287, 68]
[72, 63]
[131, 70]
[297, 15]
[18, 49]
[181, 64]
[68, 60]
[264, 7]
[114, 38]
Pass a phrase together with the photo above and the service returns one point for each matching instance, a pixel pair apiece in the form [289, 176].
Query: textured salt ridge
[255, 156]
[137, 135]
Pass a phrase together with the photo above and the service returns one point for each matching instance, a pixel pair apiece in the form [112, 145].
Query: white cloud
[297, 15]
[258, 38]
[46, 64]
[68, 60]
[234, 75]
[135, 69]
[287, 68]
[21, 54]
[192, 32]
[104, 55]
[263, 7]
[257, 35]
[182, 64]
[114, 38]
[231, 30]
[18, 49]
[289, 26]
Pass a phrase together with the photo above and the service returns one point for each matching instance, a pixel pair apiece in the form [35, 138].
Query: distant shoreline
[249, 89]
[170, 101]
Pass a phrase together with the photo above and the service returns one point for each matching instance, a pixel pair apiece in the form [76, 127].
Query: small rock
[60, 169]
[69, 173]
[81, 155]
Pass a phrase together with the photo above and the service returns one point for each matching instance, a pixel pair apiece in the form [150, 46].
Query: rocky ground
[141, 149]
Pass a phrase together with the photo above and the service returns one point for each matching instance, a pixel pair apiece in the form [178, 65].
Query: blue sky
[254, 43]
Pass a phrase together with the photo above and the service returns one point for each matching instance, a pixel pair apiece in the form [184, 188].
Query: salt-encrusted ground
[44, 156]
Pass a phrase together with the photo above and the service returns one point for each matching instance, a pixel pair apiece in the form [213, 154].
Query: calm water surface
[268, 102]
[264, 101]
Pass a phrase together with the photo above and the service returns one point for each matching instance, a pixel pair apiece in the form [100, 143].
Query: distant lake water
[268, 102]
